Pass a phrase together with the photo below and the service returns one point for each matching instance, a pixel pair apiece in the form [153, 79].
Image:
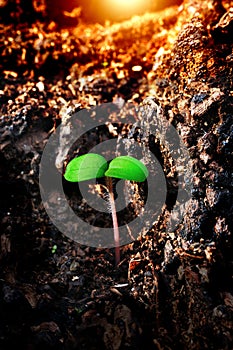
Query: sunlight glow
[126, 7]
[128, 4]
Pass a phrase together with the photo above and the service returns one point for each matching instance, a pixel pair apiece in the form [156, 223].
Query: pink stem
[114, 220]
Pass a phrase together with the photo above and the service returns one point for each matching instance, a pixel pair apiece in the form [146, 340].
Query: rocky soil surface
[173, 288]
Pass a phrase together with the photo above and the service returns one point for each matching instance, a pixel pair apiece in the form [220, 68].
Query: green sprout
[93, 166]
[54, 249]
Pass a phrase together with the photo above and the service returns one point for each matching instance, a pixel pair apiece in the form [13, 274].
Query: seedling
[54, 249]
[93, 166]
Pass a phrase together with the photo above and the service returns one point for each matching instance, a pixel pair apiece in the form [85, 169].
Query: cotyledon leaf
[127, 168]
[86, 167]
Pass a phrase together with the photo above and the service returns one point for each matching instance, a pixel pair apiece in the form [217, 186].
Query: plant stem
[114, 219]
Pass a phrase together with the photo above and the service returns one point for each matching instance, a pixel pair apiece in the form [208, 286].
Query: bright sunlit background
[116, 10]
[94, 11]
[123, 8]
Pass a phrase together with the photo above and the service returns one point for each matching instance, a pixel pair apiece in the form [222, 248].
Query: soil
[173, 288]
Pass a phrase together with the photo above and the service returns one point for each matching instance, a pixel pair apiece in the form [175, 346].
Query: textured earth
[173, 288]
